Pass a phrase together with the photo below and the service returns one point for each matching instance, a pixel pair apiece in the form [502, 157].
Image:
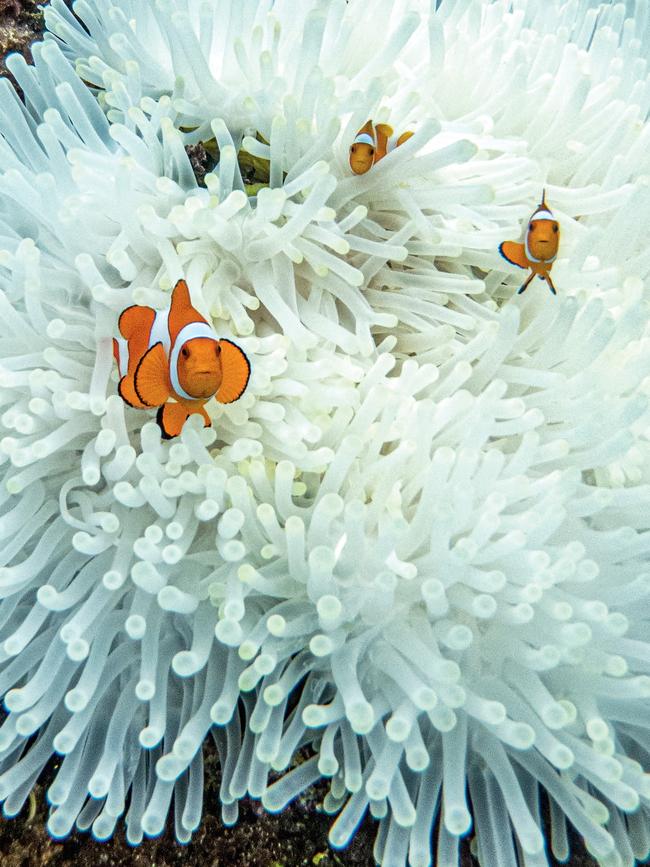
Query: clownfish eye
[531, 226]
[555, 227]
[185, 352]
[353, 149]
[372, 151]
[218, 349]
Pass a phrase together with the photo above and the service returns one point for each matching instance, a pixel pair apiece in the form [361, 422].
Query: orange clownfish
[539, 250]
[174, 353]
[371, 144]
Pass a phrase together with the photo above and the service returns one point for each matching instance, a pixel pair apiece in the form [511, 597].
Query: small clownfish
[539, 250]
[371, 144]
[175, 354]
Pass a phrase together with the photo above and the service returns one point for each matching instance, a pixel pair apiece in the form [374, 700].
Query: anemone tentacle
[417, 547]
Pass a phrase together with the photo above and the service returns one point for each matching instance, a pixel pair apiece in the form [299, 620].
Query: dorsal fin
[368, 129]
[136, 320]
[151, 379]
[542, 209]
[181, 312]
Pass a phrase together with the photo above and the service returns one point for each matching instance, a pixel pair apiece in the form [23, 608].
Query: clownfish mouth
[202, 384]
[199, 393]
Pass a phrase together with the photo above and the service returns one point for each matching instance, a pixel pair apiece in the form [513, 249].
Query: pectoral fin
[126, 390]
[514, 253]
[151, 377]
[236, 371]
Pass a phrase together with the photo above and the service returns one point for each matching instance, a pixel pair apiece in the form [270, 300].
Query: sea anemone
[413, 557]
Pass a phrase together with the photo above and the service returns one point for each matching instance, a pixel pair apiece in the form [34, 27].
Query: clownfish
[539, 250]
[371, 144]
[174, 354]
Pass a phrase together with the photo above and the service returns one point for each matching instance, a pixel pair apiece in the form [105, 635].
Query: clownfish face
[362, 156]
[543, 239]
[199, 367]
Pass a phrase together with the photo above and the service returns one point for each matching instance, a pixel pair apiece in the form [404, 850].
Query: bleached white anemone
[418, 545]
